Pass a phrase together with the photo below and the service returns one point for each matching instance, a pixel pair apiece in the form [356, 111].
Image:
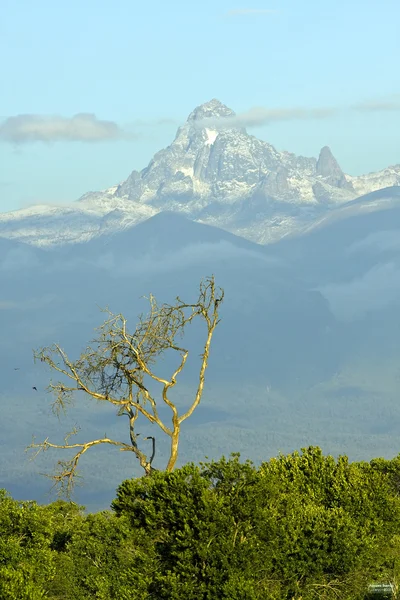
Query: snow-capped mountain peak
[213, 172]
[214, 109]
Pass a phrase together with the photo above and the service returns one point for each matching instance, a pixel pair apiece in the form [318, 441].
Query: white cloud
[381, 241]
[376, 106]
[86, 127]
[37, 203]
[83, 127]
[193, 254]
[258, 116]
[374, 290]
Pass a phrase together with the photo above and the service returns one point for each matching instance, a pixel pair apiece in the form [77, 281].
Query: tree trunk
[174, 448]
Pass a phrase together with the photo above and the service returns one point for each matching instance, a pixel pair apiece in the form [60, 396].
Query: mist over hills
[308, 349]
[266, 315]
[352, 255]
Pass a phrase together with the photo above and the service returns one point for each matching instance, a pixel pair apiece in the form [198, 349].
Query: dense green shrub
[304, 526]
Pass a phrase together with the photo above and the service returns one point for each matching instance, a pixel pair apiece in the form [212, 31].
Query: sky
[91, 90]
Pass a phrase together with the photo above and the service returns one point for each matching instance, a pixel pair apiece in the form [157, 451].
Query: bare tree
[118, 367]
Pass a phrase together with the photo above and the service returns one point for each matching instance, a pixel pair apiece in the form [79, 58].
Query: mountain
[308, 347]
[274, 333]
[168, 254]
[47, 225]
[307, 351]
[162, 235]
[370, 224]
[213, 172]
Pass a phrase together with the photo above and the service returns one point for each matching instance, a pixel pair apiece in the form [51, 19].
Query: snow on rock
[215, 173]
[46, 225]
[364, 184]
[211, 137]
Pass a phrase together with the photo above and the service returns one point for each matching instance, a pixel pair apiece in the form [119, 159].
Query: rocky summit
[214, 172]
[214, 160]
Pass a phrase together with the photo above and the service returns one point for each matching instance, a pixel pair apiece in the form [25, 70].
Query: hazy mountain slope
[282, 368]
[353, 257]
[308, 348]
[166, 232]
[348, 241]
[273, 332]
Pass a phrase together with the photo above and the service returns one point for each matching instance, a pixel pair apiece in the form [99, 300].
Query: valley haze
[308, 349]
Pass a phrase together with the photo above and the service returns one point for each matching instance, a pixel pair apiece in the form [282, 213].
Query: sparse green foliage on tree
[118, 368]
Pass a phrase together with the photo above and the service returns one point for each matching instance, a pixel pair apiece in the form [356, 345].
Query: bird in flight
[34, 387]
[16, 368]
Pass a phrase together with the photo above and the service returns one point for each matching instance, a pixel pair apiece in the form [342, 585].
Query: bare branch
[153, 453]
[118, 364]
[68, 469]
[211, 301]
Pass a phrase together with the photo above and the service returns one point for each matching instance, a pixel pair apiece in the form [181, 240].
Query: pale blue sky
[136, 63]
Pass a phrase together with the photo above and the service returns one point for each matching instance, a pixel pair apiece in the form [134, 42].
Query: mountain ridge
[215, 173]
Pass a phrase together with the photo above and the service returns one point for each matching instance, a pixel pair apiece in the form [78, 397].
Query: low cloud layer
[194, 254]
[379, 241]
[86, 127]
[83, 127]
[383, 106]
[255, 117]
[259, 116]
[377, 289]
